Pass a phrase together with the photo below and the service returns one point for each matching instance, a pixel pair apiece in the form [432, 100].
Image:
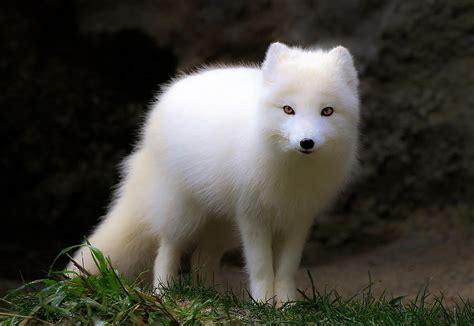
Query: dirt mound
[442, 262]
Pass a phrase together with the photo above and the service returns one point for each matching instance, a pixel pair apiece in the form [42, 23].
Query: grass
[109, 298]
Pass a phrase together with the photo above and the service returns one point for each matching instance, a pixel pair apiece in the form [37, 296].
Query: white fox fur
[219, 165]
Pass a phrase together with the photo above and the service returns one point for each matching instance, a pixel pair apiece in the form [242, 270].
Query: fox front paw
[262, 291]
[285, 291]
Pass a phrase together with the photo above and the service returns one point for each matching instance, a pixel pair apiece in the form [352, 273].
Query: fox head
[310, 99]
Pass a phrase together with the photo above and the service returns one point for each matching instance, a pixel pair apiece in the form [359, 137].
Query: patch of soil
[8, 284]
[442, 261]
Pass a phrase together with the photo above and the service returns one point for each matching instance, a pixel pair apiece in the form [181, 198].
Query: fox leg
[287, 256]
[179, 221]
[257, 245]
[166, 263]
[217, 237]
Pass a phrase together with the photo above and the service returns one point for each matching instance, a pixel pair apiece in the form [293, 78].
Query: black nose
[307, 143]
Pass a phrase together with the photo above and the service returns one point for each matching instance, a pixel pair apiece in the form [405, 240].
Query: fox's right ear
[275, 53]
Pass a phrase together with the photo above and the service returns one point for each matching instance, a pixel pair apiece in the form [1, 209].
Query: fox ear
[344, 58]
[275, 53]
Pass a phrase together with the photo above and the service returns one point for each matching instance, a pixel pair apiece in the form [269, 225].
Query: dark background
[77, 77]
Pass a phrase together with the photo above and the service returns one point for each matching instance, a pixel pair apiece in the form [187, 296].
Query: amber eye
[288, 110]
[327, 111]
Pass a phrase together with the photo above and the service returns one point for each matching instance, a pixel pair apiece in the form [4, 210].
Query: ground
[443, 261]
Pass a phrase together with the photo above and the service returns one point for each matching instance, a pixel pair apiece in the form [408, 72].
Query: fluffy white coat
[220, 164]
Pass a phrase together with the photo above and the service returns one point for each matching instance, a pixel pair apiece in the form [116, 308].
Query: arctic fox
[235, 156]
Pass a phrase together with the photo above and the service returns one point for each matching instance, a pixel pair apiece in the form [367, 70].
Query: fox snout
[306, 145]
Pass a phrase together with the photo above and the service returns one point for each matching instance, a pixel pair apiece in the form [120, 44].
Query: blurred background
[77, 77]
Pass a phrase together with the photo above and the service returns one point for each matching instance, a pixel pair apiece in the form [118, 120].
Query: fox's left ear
[275, 53]
[344, 58]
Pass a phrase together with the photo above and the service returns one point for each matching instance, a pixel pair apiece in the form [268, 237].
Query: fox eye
[327, 111]
[288, 110]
